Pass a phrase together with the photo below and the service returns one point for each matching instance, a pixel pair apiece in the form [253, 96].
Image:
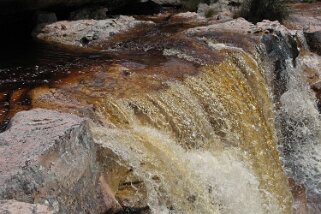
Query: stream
[190, 122]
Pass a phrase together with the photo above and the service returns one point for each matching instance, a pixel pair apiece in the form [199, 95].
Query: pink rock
[16, 207]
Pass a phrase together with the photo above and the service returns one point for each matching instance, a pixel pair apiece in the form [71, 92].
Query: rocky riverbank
[49, 158]
[176, 101]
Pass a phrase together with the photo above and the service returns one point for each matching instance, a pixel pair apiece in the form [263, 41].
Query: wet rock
[129, 189]
[237, 33]
[86, 32]
[188, 17]
[307, 17]
[239, 25]
[243, 26]
[49, 158]
[60, 99]
[16, 207]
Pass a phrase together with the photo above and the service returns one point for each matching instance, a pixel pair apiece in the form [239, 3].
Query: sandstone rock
[129, 189]
[239, 25]
[49, 157]
[44, 97]
[86, 32]
[243, 26]
[16, 207]
[237, 33]
[188, 17]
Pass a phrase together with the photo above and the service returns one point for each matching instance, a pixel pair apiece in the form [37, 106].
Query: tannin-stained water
[27, 64]
[183, 136]
[209, 141]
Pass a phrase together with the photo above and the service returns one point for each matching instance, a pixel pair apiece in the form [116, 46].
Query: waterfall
[206, 144]
[300, 124]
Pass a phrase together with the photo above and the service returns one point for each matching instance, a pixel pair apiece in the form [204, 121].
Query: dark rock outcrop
[314, 41]
[49, 158]
[86, 32]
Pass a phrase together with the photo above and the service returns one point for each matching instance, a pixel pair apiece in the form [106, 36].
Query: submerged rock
[49, 157]
[86, 32]
[16, 207]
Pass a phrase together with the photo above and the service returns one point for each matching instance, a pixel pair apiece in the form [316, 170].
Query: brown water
[28, 64]
[189, 127]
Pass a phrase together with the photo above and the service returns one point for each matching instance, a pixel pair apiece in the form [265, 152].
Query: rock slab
[16, 207]
[49, 158]
[83, 33]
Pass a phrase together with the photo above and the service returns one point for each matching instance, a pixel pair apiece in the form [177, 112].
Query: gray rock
[49, 158]
[16, 207]
[86, 32]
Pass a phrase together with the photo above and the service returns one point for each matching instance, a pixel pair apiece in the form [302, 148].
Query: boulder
[49, 158]
[16, 207]
[83, 33]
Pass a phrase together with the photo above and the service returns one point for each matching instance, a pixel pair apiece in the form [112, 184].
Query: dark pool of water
[26, 64]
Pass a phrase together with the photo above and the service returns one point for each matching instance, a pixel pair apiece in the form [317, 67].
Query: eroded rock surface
[86, 32]
[49, 157]
[16, 207]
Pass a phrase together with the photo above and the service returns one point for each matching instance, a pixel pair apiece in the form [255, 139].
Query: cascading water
[204, 145]
[192, 129]
[300, 122]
